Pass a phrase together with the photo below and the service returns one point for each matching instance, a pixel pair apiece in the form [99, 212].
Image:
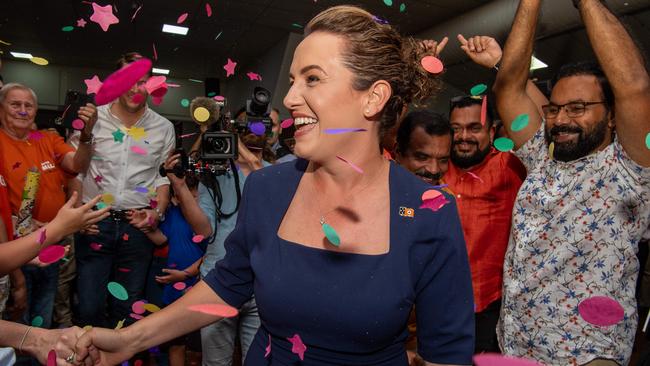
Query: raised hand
[70, 219]
[434, 46]
[88, 114]
[483, 50]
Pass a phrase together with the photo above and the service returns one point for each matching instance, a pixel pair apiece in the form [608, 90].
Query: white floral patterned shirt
[575, 233]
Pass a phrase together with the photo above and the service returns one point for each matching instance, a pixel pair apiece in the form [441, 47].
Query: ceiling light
[21, 55]
[156, 70]
[167, 28]
[195, 80]
[536, 63]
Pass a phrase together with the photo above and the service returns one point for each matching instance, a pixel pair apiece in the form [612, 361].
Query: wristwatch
[160, 214]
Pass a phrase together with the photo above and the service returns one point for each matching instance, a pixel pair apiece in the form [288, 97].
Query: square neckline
[328, 251]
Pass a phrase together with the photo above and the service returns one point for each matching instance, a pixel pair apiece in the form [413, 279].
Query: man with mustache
[585, 204]
[423, 144]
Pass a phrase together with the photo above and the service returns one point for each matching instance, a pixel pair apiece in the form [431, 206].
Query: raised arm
[625, 69]
[512, 78]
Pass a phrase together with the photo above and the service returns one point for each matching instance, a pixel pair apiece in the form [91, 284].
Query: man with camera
[130, 142]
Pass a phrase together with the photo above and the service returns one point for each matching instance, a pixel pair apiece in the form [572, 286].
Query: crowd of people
[372, 231]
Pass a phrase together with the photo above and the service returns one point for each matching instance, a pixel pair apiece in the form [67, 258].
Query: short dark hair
[435, 124]
[464, 101]
[126, 59]
[588, 68]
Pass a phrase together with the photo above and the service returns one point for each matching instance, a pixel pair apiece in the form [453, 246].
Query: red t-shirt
[43, 151]
[485, 195]
[5, 210]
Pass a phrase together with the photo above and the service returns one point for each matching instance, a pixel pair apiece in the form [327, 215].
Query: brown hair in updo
[376, 51]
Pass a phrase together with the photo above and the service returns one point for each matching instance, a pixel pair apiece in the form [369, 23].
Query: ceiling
[247, 29]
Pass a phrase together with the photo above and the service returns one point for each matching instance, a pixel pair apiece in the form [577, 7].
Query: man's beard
[586, 143]
[466, 162]
[428, 177]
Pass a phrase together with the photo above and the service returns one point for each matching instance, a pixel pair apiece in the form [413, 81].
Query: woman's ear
[378, 95]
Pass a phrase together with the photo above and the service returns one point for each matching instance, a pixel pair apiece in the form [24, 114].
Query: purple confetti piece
[42, 237]
[379, 20]
[257, 128]
[142, 189]
[336, 131]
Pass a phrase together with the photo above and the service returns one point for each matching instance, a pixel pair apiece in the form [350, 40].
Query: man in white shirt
[130, 142]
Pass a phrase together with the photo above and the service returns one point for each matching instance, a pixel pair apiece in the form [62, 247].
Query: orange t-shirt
[5, 211]
[44, 151]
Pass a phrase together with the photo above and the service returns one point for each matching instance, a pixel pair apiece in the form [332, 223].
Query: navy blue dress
[349, 309]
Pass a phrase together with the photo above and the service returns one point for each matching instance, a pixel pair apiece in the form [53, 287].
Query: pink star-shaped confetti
[35, 135]
[254, 76]
[81, 23]
[297, 346]
[98, 179]
[103, 15]
[93, 85]
[230, 67]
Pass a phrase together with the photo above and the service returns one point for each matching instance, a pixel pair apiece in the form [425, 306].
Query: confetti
[388, 2]
[181, 18]
[120, 324]
[478, 89]
[218, 35]
[495, 359]
[95, 246]
[124, 270]
[118, 136]
[101, 205]
[221, 310]
[93, 84]
[352, 165]
[520, 122]
[185, 103]
[125, 237]
[142, 189]
[297, 346]
[434, 204]
[287, 123]
[230, 67]
[108, 198]
[138, 150]
[430, 194]
[201, 114]
[42, 236]
[156, 100]
[432, 64]
[268, 348]
[296, 25]
[402, 8]
[103, 15]
[51, 254]
[78, 124]
[137, 98]
[35, 135]
[551, 150]
[208, 9]
[37, 321]
[136, 316]
[137, 133]
[484, 111]
[81, 23]
[504, 144]
[136, 12]
[254, 76]
[67, 28]
[153, 203]
[601, 311]
[39, 61]
[188, 135]
[331, 234]
[475, 177]
[257, 128]
[180, 286]
[122, 80]
[118, 291]
[51, 358]
[154, 83]
[337, 131]
[138, 307]
[155, 53]
[647, 140]
[152, 308]
[197, 238]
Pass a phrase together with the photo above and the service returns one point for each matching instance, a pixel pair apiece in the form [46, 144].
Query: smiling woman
[325, 244]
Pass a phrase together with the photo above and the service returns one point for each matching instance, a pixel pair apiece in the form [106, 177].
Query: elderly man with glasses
[570, 269]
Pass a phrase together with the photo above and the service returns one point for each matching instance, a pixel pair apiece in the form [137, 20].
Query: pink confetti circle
[221, 310]
[219, 98]
[78, 124]
[432, 64]
[157, 100]
[286, 123]
[136, 316]
[180, 286]
[495, 359]
[198, 238]
[138, 307]
[51, 254]
[137, 98]
[601, 311]
[138, 150]
[430, 194]
[95, 246]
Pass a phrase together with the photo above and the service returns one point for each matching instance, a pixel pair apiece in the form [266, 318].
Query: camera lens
[220, 145]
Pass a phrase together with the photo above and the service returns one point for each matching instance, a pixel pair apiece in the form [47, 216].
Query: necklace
[331, 234]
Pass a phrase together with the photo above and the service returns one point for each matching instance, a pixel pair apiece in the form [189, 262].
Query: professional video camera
[258, 111]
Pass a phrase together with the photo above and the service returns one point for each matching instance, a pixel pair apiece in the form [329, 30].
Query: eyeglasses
[573, 109]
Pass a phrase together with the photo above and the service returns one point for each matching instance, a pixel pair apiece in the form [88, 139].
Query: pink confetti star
[93, 85]
[254, 76]
[230, 67]
[297, 346]
[103, 15]
[98, 179]
[81, 23]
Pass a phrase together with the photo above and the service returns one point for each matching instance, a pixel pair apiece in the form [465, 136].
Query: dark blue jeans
[124, 257]
[41, 285]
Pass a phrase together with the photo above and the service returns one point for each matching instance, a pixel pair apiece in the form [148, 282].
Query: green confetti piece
[504, 144]
[95, 157]
[118, 136]
[101, 205]
[647, 140]
[331, 235]
[388, 2]
[37, 321]
[520, 122]
[117, 290]
[67, 28]
[478, 89]
[211, 94]
[185, 103]
[296, 25]
[402, 8]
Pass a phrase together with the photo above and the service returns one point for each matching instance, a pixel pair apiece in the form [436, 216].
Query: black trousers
[486, 329]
